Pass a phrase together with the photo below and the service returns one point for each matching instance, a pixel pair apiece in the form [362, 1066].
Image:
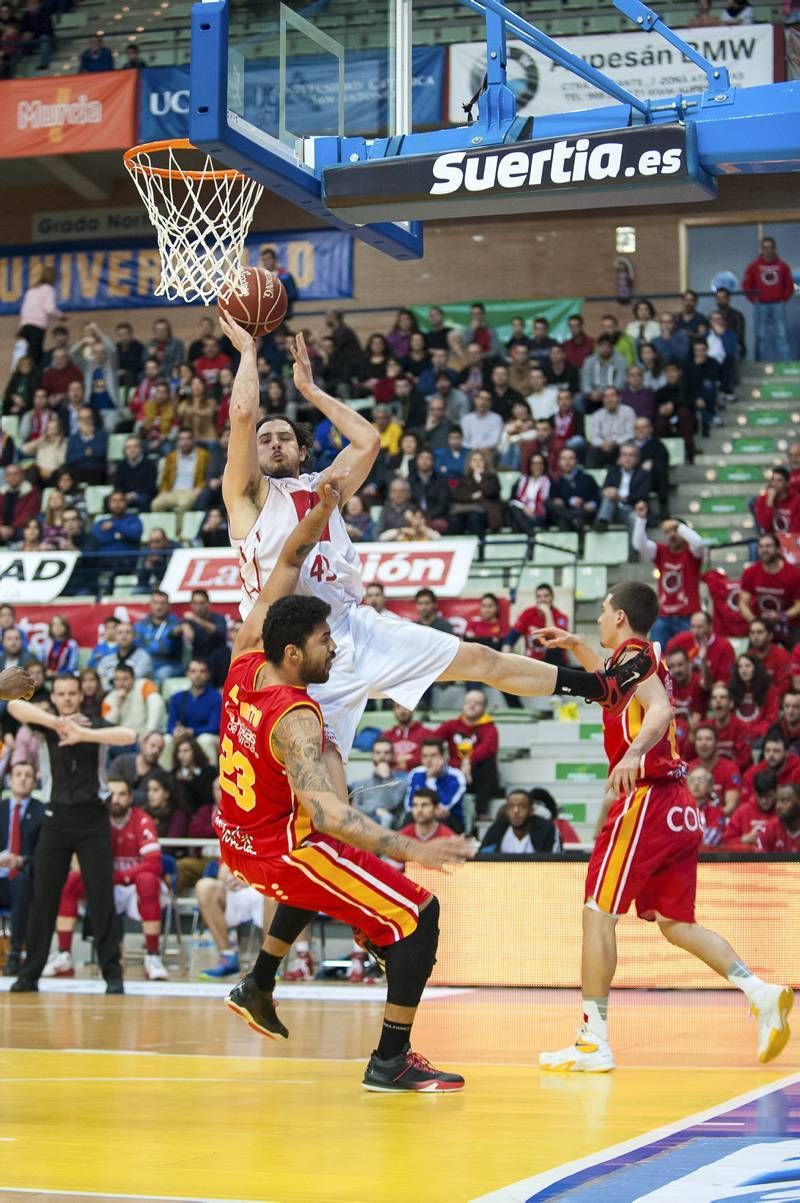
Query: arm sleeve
[695, 541]
[645, 547]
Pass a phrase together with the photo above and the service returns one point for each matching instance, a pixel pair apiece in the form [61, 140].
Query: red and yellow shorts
[647, 853]
[324, 874]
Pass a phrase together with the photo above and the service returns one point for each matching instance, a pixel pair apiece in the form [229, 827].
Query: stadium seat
[505, 547]
[166, 521]
[190, 525]
[555, 540]
[676, 451]
[10, 424]
[597, 474]
[96, 498]
[173, 685]
[116, 446]
[506, 480]
[606, 547]
[591, 582]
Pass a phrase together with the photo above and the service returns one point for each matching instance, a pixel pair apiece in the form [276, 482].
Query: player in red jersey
[782, 833]
[139, 891]
[647, 849]
[770, 587]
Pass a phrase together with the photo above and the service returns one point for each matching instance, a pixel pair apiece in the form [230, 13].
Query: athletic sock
[64, 941]
[595, 1016]
[740, 976]
[579, 683]
[264, 970]
[151, 944]
[395, 1038]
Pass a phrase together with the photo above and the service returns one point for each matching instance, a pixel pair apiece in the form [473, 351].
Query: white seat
[591, 582]
[676, 451]
[173, 685]
[167, 521]
[116, 446]
[606, 547]
[551, 553]
[96, 497]
[506, 480]
[10, 424]
[190, 524]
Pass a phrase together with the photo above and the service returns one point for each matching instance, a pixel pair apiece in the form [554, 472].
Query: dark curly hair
[290, 621]
[759, 686]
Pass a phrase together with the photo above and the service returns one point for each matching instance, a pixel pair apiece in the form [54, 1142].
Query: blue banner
[312, 99]
[120, 276]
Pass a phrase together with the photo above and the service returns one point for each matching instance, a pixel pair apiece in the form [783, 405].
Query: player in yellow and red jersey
[648, 845]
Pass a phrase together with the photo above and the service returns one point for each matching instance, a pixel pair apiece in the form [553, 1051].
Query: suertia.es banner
[646, 165]
[68, 114]
[441, 564]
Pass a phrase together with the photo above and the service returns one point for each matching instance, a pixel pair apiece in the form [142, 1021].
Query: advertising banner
[642, 62]
[34, 576]
[67, 115]
[100, 276]
[518, 923]
[312, 102]
[441, 564]
[500, 313]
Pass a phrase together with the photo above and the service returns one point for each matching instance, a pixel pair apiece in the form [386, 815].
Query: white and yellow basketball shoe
[590, 1054]
[771, 1006]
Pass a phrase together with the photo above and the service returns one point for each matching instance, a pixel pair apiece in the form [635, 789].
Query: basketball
[262, 307]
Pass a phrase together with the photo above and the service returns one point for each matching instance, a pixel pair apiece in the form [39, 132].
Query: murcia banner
[641, 62]
[441, 564]
[34, 576]
[646, 164]
[67, 115]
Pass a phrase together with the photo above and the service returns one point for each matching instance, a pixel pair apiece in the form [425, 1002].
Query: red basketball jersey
[663, 762]
[258, 813]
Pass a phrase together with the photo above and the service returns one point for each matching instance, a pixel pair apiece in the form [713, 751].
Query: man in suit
[574, 497]
[20, 823]
[626, 483]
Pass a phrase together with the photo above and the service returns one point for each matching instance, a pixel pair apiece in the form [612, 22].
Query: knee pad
[288, 922]
[410, 961]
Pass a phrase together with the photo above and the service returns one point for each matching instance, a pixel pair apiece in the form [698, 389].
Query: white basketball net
[201, 214]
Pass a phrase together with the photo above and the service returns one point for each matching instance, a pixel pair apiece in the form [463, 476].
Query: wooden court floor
[173, 1098]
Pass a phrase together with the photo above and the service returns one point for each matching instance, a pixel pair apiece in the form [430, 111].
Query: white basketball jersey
[332, 571]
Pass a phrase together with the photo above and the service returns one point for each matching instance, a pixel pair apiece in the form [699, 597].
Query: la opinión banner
[312, 100]
[99, 276]
[643, 63]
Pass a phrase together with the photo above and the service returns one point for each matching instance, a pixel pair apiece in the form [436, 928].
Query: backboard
[319, 102]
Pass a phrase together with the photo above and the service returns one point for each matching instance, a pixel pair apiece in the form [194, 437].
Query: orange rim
[131, 161]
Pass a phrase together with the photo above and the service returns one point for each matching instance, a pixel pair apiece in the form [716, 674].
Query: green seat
[166, 521]
[95, 496]
[606, 547]
[676, 451]
[190, 524]
[591, 582]
[173, 685]
[556, 547]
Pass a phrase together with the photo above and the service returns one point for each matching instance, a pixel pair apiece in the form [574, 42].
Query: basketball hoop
[202, 215]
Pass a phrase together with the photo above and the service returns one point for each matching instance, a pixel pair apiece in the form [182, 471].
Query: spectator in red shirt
[472, 742]
[774, 657]
[679, 562]
[146, 388]
[406, 738]
[711, 656]
[425, 825]
[479, 331]
[750, 819]
[733, 736]
[785, 764]
[771, 587]
[526, 624]
[578, 346]
[488, 628]
[782, 833]
[777, 508]
[793, 455]
[726, 774]
[789, 725]
[700, 785]
[757, 701]
[61, 373]
[768, 284]
[19, 502]
[211, 362]
[689, 699]
[725, 598]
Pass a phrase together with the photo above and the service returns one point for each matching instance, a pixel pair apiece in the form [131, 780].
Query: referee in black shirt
[76, 821]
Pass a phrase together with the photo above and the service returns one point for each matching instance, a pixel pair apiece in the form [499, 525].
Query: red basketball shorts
[326, 875]
[647, 853]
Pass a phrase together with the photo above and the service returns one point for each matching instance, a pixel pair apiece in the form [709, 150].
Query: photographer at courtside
[76, 821]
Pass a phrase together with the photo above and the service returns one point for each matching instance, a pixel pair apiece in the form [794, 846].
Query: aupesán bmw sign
[639, 166]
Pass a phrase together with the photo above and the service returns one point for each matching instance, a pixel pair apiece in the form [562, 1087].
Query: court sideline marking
[527, 1188]
[107, 1194]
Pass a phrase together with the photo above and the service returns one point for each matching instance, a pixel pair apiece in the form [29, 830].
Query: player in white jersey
[266, 494]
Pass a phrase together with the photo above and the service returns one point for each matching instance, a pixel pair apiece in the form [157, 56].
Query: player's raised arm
[297, 742]
[282, 581]
[658, 714]
[364, 438]
[586, 656]
[241, 480]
